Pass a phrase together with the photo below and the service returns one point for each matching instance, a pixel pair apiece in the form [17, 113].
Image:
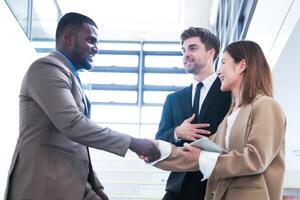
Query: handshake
[145, 149]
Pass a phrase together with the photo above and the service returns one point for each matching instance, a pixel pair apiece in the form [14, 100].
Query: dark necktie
[197, 99]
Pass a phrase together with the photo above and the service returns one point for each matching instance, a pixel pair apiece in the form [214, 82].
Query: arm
[50, 86]
[180, 160]
[263, 143]
[184, 131]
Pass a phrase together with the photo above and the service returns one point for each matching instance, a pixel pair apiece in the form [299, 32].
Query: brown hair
[257, 76]
[209, 40]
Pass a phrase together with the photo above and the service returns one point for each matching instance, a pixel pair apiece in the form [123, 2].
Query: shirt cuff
[165, 151]
[207, 162]
[176, 139]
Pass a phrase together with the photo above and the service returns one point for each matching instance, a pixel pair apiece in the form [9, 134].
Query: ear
[242, 66]
[212, 53]
[68, 38]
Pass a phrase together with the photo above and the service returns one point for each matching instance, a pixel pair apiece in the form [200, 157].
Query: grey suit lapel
[62, 62]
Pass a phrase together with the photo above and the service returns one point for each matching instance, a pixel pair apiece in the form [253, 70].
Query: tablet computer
[207, 145]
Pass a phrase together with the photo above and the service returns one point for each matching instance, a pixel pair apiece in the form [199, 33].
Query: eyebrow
[193, 45]
[190, 46]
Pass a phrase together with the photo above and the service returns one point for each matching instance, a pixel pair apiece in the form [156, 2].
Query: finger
[185, 147]
[147, 159]
[202, 125]
[198, 136]
[202, 131]
[193, 137]
[191, 118]
[188, 147]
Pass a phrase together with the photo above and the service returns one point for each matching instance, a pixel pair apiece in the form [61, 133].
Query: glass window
[151, 114]
[44, 19]
[130, 129]
[161, 47]
[148, 130]
[115, 114]
[109, 78]
[20, 11]
[168, 79]
[155, 96]
[116, 60]
[163, 61]
[115, 96]
[119, 46]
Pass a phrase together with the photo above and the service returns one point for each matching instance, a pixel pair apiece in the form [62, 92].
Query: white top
[230, 120]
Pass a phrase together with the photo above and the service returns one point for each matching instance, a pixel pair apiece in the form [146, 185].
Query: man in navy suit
[180, 121]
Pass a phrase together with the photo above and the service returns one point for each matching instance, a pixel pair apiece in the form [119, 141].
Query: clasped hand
[145, 149]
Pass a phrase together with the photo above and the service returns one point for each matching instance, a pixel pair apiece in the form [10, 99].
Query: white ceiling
[155, 20]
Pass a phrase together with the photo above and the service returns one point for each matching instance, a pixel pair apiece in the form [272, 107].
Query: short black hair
[209, 40]
[73, 20]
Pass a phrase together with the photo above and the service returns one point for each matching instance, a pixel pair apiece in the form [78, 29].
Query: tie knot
[199, 85]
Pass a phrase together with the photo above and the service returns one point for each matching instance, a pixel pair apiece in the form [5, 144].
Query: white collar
[207, 82]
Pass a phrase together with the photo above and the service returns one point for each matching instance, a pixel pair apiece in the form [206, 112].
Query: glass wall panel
[119, 46]
[163, 61]
[116, 60]
[115, 114]
[45, 15]
[111, 78]
[130, 129]
[148, 130]
[114, 96]
[20, 10]
[161, 47]
[168, 79]
[155, 96]
[151, 114]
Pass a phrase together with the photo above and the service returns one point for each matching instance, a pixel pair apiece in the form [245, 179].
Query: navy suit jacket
[177, 108]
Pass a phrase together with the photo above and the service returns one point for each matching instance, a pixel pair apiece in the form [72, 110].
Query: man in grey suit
[51, 159]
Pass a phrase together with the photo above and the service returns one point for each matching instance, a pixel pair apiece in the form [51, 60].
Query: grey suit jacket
[254, 166]
[50, 159]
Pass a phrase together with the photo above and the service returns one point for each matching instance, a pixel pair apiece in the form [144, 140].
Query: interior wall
[16, 55]
[275, 26]
[286, 75]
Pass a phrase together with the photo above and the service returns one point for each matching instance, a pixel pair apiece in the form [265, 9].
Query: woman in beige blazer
[252, 132]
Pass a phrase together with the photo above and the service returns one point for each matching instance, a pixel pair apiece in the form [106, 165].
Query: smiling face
[196, 58]
[85, 47]
[231, 73]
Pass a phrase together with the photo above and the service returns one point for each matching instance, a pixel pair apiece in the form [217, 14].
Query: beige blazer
[254, 166]
[50, 161]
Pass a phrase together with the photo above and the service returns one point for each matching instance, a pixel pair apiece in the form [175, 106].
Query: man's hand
[145, 149]
[189, 131]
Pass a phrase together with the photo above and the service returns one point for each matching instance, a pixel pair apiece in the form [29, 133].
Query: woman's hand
[190, 152]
